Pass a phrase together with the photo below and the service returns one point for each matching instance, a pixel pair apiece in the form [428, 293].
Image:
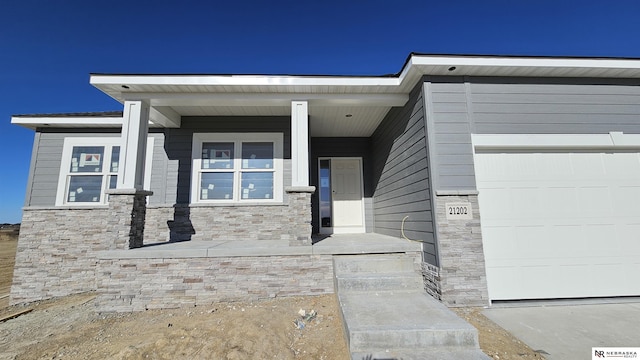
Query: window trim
[237, 138]
[65, 164]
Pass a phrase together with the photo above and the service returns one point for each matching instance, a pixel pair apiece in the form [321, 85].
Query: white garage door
[560, 224]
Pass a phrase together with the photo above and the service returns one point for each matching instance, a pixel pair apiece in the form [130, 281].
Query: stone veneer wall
[462, 274]
[291, 221]
[56, 253]
[138, 284]
[57, 247]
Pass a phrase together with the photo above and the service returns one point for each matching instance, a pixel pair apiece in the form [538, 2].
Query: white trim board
[612, 141]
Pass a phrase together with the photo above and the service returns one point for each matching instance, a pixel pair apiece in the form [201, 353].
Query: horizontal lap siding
[46, 167]
[519, 106]
[401, 176]
[555, 108]
[451, 135]
[179, 143]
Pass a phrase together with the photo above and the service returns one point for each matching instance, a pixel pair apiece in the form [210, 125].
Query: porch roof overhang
[338, 105]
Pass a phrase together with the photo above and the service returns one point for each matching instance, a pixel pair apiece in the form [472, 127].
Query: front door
[341, 197]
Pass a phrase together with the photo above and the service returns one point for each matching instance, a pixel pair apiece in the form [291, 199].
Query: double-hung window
[237, 168]
[89, 167]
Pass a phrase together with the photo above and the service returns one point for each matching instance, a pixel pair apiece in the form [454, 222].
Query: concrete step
[397, 320]
[398, 281]
[422, 354]
[387, 315]
[381, 263]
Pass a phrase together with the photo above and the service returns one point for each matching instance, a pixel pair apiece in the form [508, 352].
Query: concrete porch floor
[336, 244]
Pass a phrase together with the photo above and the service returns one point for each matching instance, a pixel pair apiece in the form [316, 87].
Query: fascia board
[33, 122]
[239, 80]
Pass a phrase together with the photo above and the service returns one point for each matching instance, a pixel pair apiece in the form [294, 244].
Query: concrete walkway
[566, 330]
[387, 315]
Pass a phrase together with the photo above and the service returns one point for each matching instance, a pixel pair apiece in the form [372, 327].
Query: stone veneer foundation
[138, 284]
[461, 275]
[57, 247]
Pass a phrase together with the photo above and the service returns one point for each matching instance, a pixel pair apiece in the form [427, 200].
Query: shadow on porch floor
[335, 244]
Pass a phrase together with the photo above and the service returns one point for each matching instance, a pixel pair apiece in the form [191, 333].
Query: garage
[560, 214]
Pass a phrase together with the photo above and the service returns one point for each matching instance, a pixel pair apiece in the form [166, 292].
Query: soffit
[331, 98]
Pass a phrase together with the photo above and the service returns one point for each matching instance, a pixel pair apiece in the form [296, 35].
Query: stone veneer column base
[300, 212]
[462, 274]
[127, 210]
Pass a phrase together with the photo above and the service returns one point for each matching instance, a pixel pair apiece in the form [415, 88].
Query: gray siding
[178, 143]
[171, 159]
[46, 168]
[342, 147]
[401, 176]
[458, 107]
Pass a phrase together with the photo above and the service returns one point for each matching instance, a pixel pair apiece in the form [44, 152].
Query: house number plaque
[458, 211]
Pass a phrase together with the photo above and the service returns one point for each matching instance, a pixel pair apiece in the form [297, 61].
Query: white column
[135, 128]
[299, 143]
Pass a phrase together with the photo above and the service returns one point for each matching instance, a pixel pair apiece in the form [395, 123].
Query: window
[89, 167]
[236, 168]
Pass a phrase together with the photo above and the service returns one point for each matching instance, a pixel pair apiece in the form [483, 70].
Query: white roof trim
[70, 121]
[503, 62]
[418, 64]
[241, 80]
[61, 121]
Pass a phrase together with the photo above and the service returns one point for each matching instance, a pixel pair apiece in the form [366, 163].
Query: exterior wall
[178, 143]
[56, 253]
[457, 107]
[401, 175]
[343, 147]
[460, 106]
[46, 164]
[47, 156]
[139, 284]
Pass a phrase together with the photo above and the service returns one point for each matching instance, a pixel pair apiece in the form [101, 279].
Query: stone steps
[387, 314]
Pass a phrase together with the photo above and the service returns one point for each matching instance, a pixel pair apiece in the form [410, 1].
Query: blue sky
[48, 48]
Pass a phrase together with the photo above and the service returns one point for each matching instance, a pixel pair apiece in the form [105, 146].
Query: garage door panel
[557, 224]
[548, 167]
[627, 201]
[560, 201]
[499, 204]
[601, 240]
[500, 245]
[595, 201]
[531, 242]
[623, 165]
[505, 281]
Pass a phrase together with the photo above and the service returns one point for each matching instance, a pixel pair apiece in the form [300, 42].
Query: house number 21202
[458, 211]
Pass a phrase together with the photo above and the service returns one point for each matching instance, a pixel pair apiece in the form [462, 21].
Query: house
[519, 177]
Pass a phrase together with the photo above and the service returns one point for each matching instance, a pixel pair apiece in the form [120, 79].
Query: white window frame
[237, 139]
[65, 164]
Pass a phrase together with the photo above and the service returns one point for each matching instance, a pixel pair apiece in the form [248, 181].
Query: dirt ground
[494, 340]
[69, 328]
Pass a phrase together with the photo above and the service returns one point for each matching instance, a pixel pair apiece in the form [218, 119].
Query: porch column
[127, 203]
[299, 143]
[135, 128]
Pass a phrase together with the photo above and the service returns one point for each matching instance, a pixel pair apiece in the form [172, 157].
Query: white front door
[341, 196]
